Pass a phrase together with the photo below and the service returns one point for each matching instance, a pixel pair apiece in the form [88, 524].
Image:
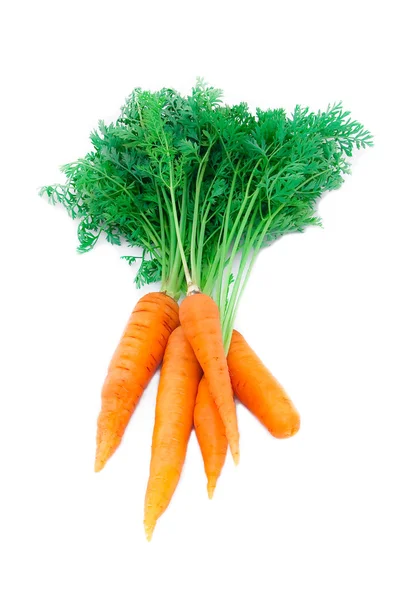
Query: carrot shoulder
[134, 362]
[199, 317]
[210, 434]
[259, 391]
[180, 376]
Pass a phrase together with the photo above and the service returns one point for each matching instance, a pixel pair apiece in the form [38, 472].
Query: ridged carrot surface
[138, 355]
[180, 376]
[199, 317]
[256, 387]
[211, 436]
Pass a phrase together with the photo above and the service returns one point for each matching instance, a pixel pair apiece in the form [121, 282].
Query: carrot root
[199, 317]
[133, 364]
[180, 376]
[211, 437]
[259, 391]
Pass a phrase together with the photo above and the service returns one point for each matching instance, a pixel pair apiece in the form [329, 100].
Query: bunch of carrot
[196, 185]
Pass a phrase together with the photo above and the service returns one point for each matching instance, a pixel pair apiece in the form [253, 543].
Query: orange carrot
[211, 436]
[180, 376]
[259, 391]
[134, 362]
[199, 317]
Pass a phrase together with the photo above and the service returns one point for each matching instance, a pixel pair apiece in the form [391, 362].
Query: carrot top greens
[195, 183]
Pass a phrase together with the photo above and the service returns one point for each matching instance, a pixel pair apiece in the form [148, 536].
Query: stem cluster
[194, 184]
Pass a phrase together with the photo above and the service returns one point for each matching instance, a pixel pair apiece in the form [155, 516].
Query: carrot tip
[99, 464]
[104, 451]
[236, 457]
[101, 459]
[286, 433]
[211, 486]
[149, 529]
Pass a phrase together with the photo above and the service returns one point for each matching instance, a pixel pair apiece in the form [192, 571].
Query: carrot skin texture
[210, 433]
[180, 376]
[256, 388]
[199, 317]
[137, 356]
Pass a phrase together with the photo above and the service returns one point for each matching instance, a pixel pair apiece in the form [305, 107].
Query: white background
[317, 517]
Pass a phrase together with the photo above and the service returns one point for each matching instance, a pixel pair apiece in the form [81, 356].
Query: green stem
[247, 246]
[228, 312]
[244, 202]
[176, 273]
[177, 227]
[240, 284]
[163, 245]
[202, 242]
[214, 274]
[225, 237]
[152, 249]
[227, 327]
[236, 243]
[178, 234]
[201, 237]
[193, 244]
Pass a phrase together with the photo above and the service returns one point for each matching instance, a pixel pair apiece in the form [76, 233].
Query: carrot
[134, 362]
[210, 434]
[174, 411]
[199, 317]
[259, 391]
